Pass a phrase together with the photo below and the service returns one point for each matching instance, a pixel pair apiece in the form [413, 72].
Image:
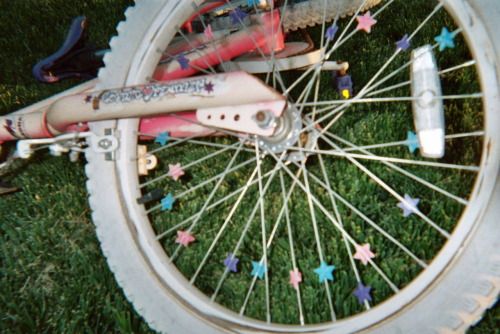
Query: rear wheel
[384, 240]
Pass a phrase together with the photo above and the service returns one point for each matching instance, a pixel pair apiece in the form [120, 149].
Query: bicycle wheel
[340, 230]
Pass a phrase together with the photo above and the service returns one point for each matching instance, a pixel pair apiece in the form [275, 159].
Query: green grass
[53, 277]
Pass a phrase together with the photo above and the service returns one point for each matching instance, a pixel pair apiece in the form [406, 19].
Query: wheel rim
[155, 253]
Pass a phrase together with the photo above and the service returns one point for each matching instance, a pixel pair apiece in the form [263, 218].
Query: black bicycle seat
[75, 58]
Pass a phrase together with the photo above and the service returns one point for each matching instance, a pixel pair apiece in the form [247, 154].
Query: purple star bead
[231, 262]
[362, 293]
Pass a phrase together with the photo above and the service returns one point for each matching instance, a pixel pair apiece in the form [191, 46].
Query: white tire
[448, 297]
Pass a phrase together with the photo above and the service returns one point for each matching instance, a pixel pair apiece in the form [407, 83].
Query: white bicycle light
[428, 110]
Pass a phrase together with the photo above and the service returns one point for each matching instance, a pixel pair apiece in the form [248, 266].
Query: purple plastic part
[73, 59]
[342, 83]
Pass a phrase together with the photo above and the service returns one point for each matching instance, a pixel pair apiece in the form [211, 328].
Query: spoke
[316, 235]
[398, 51]
[401, 142]
[212, 43]
[314, 68]
[212, 206]
[406, 173]
[407, 83]
[177, 141]
[454, 68]
[339, 219]
[271, 63]
[338, 152]
[340, 41]
[204, 183]
[368, 221]
[384, 185]
[245, 230]
[191, 164]
[290, 241]
[334, 221]
[263, 228]
[270, 241]
[389, 99]
[224, 225]
[214, 178]
[398, 70]
[210, 197]
[189, 140]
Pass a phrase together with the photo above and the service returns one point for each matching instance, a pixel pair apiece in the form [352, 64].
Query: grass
[53, 277]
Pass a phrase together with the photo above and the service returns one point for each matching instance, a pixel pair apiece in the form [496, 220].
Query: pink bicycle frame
[70, 114]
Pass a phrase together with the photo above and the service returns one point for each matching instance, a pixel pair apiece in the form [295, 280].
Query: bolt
[104, 143]
[264, 119]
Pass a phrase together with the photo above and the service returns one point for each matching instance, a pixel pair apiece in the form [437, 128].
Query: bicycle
[304, 151]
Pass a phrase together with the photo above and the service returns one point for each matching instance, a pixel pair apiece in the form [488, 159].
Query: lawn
[53, 277]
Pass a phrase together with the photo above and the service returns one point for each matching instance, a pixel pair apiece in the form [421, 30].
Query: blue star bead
[162, 138]
[231, 262]
[259, 269]
[237, 16]
[251, 3]
[183, 61]
[445, 40]
[324, 272]
[403, 43]
[363, 293]
[167, 202]
[331, 32]
[412, 141]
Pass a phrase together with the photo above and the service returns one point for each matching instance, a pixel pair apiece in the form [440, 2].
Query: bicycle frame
[153, 102]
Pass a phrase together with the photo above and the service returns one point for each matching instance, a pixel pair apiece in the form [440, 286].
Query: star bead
[183, 61]
[162, 138]
[209, 87]
[231, 262]
[167, 203]
[409, 206]
[209, 34]
[331, 32]
[445, 40]
[325, 272]
[88, 98]
[175, 171]
[363, 293]
[237, 16]
[295, 278]
[363, 253]
[403, 43]
[258, 269]
[412, 141]
[366, 22]
[184, 238]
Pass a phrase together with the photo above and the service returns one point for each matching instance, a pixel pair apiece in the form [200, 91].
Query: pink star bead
[184, 238]
[363, 253]
[175, 171]
[365, 22]
[208, 32]
[295, 278]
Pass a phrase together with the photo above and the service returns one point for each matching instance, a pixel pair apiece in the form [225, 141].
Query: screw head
[104, 143]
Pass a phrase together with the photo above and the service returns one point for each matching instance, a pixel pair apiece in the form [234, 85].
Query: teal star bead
[325, 272]
[412, 141]
[162, 138]
[167, 202]
[259, 269]
[445, 40]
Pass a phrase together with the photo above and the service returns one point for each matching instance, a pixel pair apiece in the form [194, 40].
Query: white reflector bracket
[428, 110]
